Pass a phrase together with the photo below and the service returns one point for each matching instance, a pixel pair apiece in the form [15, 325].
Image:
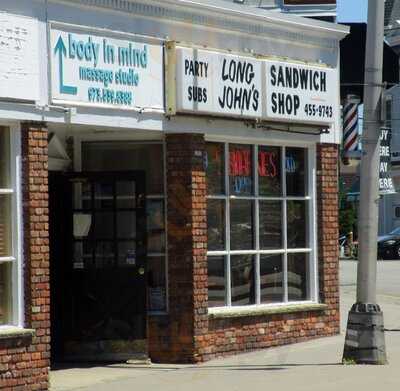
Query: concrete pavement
[314, 365]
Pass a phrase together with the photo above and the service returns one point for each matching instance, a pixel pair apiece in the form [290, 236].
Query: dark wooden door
[103, 271]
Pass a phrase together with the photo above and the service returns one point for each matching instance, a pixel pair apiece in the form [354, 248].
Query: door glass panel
[83, 255]
[104, 225]
[126, 225]
[127, 253]
[104, 255]
[103, 196]
[156, 283]
[126, 194]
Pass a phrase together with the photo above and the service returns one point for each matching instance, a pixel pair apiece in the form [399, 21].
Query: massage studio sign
[100, 70]
[231, 85]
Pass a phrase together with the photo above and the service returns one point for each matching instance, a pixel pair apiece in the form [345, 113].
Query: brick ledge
[232, 312]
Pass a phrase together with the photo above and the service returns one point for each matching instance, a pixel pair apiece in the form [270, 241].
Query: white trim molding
[224, 16]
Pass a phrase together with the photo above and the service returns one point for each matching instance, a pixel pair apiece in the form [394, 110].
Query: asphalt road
[388, 290]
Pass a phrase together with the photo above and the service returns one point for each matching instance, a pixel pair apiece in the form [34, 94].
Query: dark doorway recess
[98, 266]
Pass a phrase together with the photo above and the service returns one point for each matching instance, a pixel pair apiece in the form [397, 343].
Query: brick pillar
[36, 248]
[187, 244]
[25, 354]
[328, 231]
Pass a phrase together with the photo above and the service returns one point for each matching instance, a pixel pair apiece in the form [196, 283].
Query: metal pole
[365, 342]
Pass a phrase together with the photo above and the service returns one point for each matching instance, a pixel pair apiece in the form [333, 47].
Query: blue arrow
[62, 51]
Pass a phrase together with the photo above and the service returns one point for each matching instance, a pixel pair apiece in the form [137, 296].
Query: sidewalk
[311, 366]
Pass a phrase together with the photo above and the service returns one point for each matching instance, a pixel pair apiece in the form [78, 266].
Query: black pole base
[365, 338]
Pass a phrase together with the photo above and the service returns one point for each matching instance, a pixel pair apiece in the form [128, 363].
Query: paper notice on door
[82, 223]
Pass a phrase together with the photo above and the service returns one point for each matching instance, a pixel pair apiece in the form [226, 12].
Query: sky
[354, 11]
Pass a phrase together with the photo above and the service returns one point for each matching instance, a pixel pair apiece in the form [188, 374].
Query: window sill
[15, 337]
[237, 312]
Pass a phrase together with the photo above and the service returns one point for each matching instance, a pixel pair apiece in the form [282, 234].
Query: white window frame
[311, 234]
[17, 304]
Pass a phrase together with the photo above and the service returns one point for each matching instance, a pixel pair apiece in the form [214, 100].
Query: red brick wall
[187, 334]
[24, 362]
[328, 230]
[171, 338]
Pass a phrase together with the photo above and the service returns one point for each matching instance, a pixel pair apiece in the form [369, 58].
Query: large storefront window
[258, 209]
[147, 157]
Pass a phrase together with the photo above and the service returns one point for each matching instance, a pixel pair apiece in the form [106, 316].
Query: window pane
[296, 171]
[216, 224]
[297, 277]
[242, 279]
[270, 225]
[155, 225]
[5, 225]
[5, 292]
[126, 225]
[241, 169]
[271, 278]
[156, 283]
[83, 255]
[241, 224]
[127, 253]
[104, 255]
[216, 281]
[269, 171]
[4, 158]
[215, 168]
[296, 224]
[104, 225]
[126, 156]
[126, 194]
[103, 196]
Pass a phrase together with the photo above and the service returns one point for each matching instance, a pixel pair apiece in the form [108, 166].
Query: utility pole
[365, 339]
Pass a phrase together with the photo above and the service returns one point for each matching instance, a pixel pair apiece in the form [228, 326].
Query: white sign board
[100, 70]
[228, 85]
[301, 93]
[216, 83]
[19, 58]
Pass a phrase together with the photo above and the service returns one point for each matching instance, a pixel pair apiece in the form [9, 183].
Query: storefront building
[168, 182]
